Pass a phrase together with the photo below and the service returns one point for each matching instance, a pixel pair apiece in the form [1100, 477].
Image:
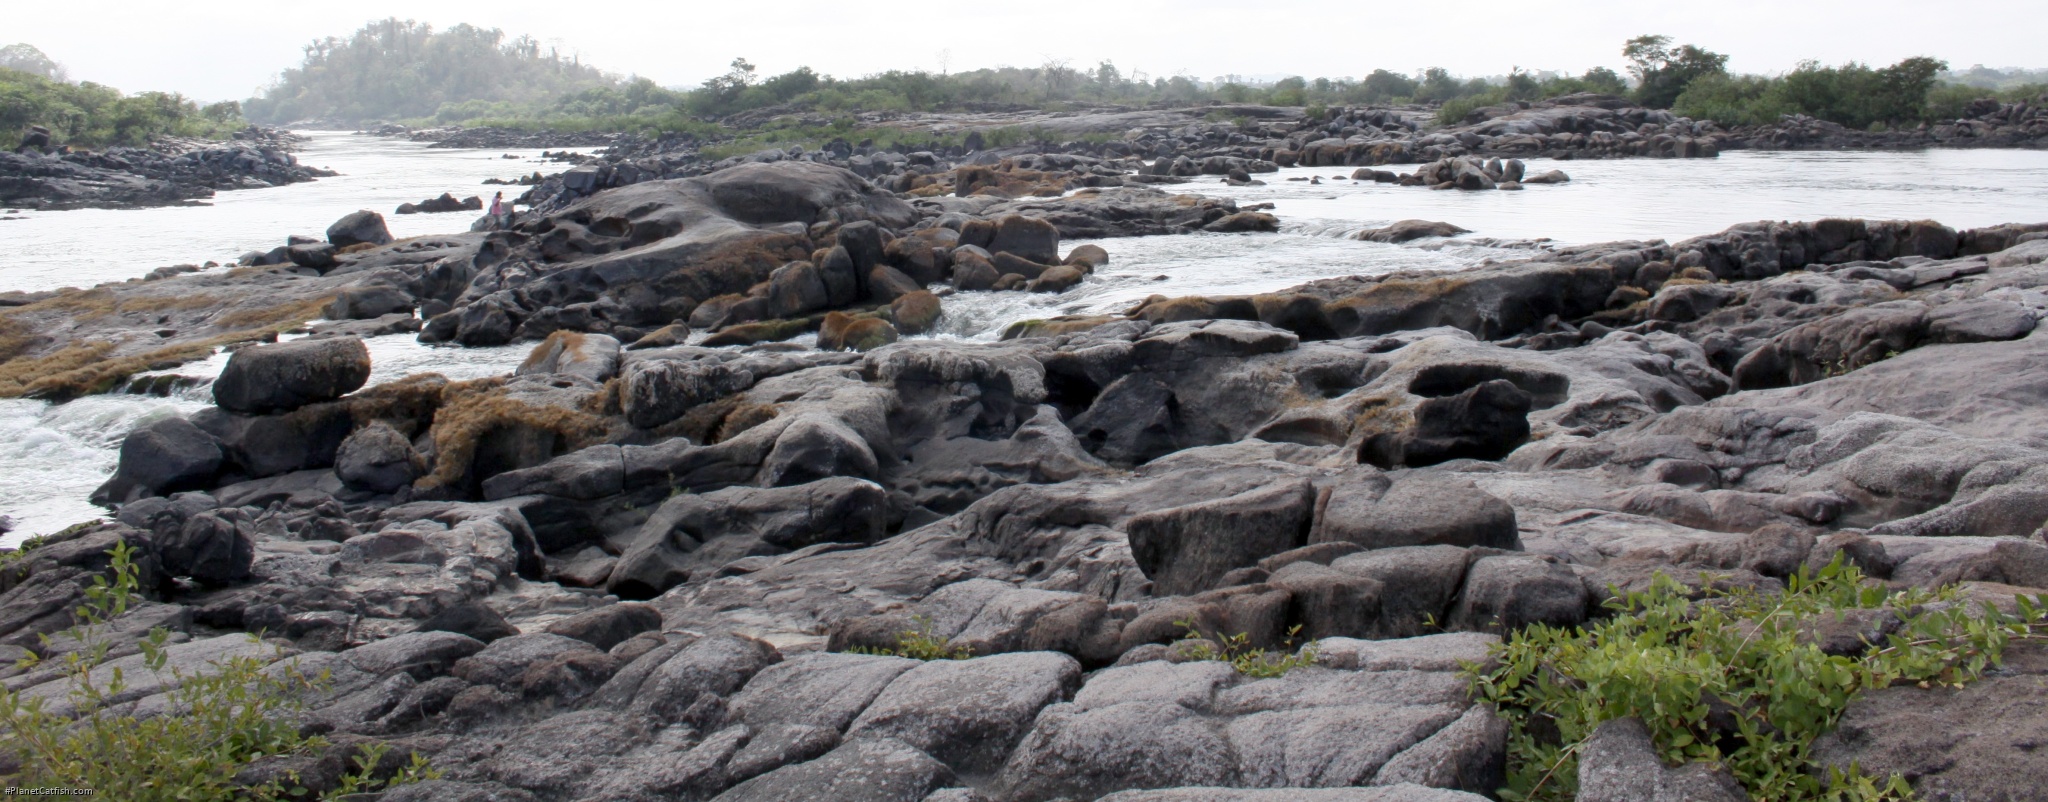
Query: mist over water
[52, 456]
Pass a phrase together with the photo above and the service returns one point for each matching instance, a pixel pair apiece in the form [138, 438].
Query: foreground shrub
[217, 721]
[1734, 677]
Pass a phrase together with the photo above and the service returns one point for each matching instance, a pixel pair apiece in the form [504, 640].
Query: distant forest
[405, 71]
[33, 91]
[393, 69]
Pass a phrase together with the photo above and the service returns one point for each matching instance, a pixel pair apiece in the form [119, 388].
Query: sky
[228, 49]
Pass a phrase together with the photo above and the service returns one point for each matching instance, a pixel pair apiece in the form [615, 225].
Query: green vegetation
[1237, 650]
[24, 57]
[918, 644]
[1670, 660]
[404, 69]
[1854, 95]
[227, 717]
[90, 115]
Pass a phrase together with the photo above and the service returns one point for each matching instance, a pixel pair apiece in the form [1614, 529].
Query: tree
[26, 58]
[1662, 71]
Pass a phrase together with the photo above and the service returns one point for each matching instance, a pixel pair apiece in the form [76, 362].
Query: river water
[52, 456]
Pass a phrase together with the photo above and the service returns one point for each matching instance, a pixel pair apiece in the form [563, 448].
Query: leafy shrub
[1237, 650]
[91, 115]
[1668, 660]
[919, 644]
[219, 721]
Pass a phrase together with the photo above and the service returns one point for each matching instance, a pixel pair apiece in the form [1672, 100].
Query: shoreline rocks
[649, 572]
[170, 172]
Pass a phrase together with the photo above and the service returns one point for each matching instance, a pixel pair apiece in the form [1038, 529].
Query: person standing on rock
[498, 208]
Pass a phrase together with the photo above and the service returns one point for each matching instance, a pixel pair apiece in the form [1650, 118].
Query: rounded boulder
[286, 376]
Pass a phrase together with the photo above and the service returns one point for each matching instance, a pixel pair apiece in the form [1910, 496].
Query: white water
[51, 457]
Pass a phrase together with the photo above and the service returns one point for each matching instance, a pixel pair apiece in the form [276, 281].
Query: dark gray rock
[1620, 764]
[213, 548]
[968, 713]
[286, 376]
[659, 391]
[609, 625]
[866, 770]
[696, 533]
[160, 457]
[1508, 592]
[359, 227]
[1419, 508]
[378, 459]
[1188, 549]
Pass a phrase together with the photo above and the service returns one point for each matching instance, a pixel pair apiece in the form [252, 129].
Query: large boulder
[1027, 238]
[213, 548]
[161, 456]
[378, 459]
[1406, 230]
[591, 356]
[357, 228]
[1421, 508]
[286, 376]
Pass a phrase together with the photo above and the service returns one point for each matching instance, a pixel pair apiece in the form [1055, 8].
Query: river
[52, 456]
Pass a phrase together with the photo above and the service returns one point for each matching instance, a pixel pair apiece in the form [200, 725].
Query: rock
[378, 459]
[286, 376]
[318, 256]
[1484, 422]
[1977, 742]
[1186, 550]
[368, 302]
[161, 457]
[973, 271]
[471, 618]
[1508, 592]
[609, 625]
[357, 228]
[797, 710]
[1403, 792]
[1548, 177]
[796, 288]
[1056, 279]
[1620, 764]
[1417, 509]
[915, 312]
[1089, 257]
[887, 284]
[1979, 320]
[1026, 238]
[842, 331]
[1419, 584]
[591, 356]
[968, 713]
[696, 533]
[659, 391]
[213, 548]
[676, 333]
[1243, 222]
[1407, 230]
[505, 660]
[867, 770]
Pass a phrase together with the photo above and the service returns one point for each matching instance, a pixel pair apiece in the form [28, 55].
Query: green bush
[1665, 658]
[90, 115]
[919, 644]
[223, 719]
[1237, 650]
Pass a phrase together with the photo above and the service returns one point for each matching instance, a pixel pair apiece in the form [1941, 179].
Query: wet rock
[286, 376]
[161, 457]
[1407, 230]
[590, 356]
[1033, 240]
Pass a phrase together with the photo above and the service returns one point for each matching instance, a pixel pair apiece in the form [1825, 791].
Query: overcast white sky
[226, 49]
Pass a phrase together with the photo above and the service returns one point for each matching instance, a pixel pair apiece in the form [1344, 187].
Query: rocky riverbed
[168, 172]
[646, 564]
